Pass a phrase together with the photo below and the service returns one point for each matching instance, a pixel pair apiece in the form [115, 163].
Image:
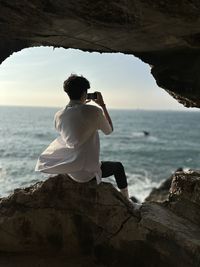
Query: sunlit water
[173, 142]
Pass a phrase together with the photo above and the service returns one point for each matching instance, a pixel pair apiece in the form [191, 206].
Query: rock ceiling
[163, 34]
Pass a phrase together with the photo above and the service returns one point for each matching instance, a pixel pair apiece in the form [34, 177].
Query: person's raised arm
[101, 103]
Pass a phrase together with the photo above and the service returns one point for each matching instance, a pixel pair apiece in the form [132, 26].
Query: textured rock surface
[164, 34]
[63, 223]
[161, 193]
[185, 195]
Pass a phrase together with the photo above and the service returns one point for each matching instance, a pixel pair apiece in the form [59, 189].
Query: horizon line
[111, 108]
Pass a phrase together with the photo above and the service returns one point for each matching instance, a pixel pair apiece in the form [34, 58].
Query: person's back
[77, 122]
[76, 150]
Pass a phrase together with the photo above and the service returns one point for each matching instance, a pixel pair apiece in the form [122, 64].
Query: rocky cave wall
[164, 34]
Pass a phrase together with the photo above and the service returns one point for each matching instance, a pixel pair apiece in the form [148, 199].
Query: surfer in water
[146, 133]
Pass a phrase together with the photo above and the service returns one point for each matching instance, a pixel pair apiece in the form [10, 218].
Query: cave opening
[31, 92]
[34, 77]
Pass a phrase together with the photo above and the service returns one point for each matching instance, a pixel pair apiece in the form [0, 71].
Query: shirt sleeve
[103, 123]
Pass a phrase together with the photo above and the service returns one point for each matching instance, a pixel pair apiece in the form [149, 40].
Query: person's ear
[85, 94]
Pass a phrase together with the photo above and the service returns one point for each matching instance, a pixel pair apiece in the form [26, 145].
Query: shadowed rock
[161, 193]
[164, 34]
[60, 222]
[185, 195]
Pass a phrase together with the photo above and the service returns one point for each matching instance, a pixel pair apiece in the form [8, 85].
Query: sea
[150, 144]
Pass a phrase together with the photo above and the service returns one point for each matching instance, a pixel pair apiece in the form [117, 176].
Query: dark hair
[75, 86]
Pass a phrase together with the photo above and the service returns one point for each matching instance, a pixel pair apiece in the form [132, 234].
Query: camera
[92, 96]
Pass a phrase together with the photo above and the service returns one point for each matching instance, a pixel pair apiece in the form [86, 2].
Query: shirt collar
[75, 102]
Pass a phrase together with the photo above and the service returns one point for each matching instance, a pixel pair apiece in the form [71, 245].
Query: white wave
[189, 160]
[2, 174]
[140, 185]
[1, 169]
[137, 134]
[152, 138]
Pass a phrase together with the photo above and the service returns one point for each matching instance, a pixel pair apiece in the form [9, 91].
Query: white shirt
[76, 150]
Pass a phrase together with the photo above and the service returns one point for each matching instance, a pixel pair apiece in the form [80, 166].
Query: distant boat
[146, 133]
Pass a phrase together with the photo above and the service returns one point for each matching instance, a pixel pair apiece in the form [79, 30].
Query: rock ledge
[90, 225]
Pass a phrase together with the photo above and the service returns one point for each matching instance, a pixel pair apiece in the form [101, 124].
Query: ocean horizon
[136, 109]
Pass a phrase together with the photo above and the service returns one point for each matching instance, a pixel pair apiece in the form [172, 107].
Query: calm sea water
[174, 142]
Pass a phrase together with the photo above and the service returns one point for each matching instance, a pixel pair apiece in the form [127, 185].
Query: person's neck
[75, 102]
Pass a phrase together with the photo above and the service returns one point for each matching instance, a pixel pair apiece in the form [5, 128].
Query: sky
[34, 77]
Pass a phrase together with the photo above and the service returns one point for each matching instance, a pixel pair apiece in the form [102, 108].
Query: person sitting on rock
[76, 150]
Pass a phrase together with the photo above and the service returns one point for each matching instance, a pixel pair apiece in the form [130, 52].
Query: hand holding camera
[97, 98]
